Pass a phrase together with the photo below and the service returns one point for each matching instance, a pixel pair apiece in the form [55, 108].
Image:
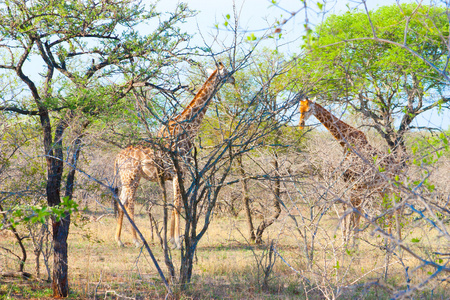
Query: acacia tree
[76, 61]
[209, 172]
[266, 66]
[264, 78]
[408, 43]
[380, 81]
[229, 132]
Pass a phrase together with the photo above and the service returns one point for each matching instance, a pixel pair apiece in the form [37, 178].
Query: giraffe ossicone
[151, 161]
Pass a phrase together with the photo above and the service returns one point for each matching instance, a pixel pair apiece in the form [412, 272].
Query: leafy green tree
[386, 84]
[70, 63]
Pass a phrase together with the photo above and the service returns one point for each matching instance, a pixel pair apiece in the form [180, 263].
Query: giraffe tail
[116, 191]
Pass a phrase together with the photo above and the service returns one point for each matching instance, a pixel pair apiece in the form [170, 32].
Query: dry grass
[227, 266]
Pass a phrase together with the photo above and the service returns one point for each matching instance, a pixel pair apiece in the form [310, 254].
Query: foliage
[72, 62]
[388, 85]
[95, 47]
[80, 76]
[23, 214]
[259, 89]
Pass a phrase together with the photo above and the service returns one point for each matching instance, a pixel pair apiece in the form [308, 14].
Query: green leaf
[251, 37]
[415, 240]
[337, 265]
[443, 138]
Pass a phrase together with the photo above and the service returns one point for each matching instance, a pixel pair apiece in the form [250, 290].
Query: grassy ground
[227, 266]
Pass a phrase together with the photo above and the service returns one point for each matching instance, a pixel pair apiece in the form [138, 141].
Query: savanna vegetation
[267, 207]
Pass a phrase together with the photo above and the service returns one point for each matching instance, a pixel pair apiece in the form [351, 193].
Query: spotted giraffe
[145, 161]
[366, 168]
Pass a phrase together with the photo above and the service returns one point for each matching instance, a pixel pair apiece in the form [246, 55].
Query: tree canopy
[72, 62]
[80, 79]
[386, 84]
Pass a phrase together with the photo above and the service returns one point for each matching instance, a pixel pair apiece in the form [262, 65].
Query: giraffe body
[362, 161]
[146, 161]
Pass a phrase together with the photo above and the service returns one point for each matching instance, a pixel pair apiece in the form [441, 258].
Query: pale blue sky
[255, 15]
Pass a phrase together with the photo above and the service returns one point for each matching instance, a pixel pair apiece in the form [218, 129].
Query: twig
[118, 295]
[297, 272]
[98, 284]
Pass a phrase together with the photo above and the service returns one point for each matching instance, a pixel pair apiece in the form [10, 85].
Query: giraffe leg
[130, 211]
[394, 220]
[398, 214]
[119, 226]
[126, 197]
[175, 220]
[122, 199]
[351, 221]
[346, 225]
[151, 220]
[355, 219]
[176, 224]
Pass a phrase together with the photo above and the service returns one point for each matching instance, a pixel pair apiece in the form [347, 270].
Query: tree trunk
[54, 157]
[187, 262]
[276, 203]
[190, 235]
[246, 199]
[167, 256]
[60, 283]
[191, 203]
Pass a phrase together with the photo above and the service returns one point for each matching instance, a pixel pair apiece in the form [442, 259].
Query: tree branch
[435, 104]
[19, 110]
[416, 54]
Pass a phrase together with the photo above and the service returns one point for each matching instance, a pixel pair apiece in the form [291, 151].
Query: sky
[257, 15]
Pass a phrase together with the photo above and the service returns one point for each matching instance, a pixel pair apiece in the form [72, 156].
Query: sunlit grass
[226, 265]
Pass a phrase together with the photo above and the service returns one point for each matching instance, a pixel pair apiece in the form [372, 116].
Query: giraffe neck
[341, 131]
[197, 108]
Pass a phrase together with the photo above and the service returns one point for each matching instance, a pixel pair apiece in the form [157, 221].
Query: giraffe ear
[314, 99]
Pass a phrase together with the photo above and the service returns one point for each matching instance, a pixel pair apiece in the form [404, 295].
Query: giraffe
[360, 158]
[145, 161]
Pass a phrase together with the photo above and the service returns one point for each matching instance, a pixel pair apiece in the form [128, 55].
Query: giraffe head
[306, 110]
[224, 74]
